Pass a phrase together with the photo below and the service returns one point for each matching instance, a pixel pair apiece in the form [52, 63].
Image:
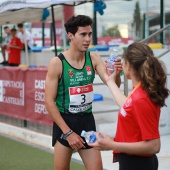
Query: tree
[113, 31]
[137, 21]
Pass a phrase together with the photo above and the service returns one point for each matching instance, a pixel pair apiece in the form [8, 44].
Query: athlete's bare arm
[99, 66]
[51, 85]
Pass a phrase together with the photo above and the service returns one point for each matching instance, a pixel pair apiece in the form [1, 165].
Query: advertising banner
[12, 88]
[35, 96]
[114, 40]
[22, 94]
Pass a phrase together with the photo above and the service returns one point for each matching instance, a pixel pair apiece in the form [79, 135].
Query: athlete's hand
[75, 141]
[118, 66]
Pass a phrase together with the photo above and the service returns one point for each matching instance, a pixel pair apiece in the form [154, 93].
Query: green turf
[18, 156]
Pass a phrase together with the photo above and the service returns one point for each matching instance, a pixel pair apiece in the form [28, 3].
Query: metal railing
[155, 33]
[143, 41]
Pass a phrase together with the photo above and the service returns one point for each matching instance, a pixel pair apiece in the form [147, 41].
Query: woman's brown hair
[149, 71]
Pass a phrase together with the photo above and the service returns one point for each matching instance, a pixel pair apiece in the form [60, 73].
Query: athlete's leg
[91, 159]
[62, 157]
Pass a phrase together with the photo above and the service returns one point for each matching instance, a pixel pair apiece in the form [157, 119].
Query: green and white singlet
[75, 87]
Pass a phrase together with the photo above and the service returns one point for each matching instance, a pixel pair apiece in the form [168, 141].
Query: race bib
[81, 98]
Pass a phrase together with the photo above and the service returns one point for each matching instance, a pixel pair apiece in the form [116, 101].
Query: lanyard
[138, 85]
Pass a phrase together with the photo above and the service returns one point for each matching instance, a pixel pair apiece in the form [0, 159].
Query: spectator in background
[24, 33]
[14, 48]
[5, 44]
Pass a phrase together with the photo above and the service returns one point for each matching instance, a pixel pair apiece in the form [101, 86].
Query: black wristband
[64, 136]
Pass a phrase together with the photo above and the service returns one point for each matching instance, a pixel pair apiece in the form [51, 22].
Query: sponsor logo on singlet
[88, 69]
[70, 73]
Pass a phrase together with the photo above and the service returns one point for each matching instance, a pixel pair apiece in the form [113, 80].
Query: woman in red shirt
[137, 138]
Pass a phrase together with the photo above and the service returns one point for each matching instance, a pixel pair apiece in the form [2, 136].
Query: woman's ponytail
[149, 71]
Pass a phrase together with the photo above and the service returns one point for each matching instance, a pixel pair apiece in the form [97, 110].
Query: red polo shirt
[138, 119]
[15, 54]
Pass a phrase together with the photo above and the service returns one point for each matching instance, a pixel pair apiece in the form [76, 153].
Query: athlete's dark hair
[77, 21]
[148, 70]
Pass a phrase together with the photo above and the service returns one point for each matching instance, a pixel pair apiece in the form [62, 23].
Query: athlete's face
[82, 38]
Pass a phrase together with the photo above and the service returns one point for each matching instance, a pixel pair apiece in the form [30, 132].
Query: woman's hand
[104, 142]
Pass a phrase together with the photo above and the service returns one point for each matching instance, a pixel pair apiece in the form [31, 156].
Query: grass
[18, 156]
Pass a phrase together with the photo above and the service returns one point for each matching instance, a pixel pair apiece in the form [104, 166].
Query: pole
[54, 32]
[162, 20]
[26, 46]
[144, 27]
[51, 34]
[43, 26]
[147, 20]
[94, 28]
[0, 34]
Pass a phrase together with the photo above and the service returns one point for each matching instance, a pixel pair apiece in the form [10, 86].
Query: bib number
[81, 98]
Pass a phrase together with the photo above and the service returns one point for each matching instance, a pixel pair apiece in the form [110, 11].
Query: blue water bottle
[89, 136]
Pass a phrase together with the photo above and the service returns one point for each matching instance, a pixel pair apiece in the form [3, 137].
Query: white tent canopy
[6, 5]
[29, 15]
[17, 11]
